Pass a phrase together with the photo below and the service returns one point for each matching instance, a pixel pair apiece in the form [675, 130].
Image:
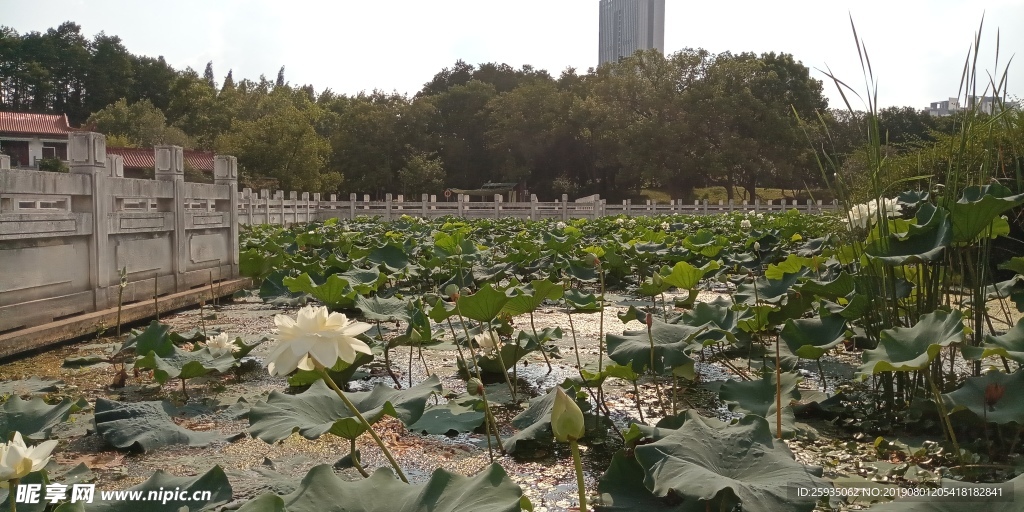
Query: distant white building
[984, 104]
[630, 25]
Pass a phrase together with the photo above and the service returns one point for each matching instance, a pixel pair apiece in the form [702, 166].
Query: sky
[917, 48]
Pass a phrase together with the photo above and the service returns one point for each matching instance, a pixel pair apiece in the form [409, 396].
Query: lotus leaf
[491, 490]
[146, 426]
[185, 365]
[972, 396]
[214, 481]
[974, 212]
[33, 418]
[318, 410]
[710, 467]
[913, 348]
[923, 242]
[670, 343]
[810, 338]
[758, 397]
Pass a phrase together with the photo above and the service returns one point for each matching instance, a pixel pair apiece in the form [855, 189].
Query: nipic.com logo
[86, 493]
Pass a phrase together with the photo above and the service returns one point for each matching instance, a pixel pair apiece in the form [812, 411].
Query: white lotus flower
[315, 333]
[620, 221]
[560, 225]
[864, 215]
[664, 226]
[221, 344]
[566, 418]
[18, 460]
[757, 246]
[487, 340]
[745, 224]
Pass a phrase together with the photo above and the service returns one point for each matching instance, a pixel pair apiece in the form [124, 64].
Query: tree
[280, 78]
[208, 75]
[139, 124]
[422, 174]
[111, 75]
[282, 144]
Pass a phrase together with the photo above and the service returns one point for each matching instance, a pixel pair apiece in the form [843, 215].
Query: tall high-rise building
[628, 26]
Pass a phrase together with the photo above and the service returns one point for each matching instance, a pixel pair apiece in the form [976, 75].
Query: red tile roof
[34, 124]
[145, 158]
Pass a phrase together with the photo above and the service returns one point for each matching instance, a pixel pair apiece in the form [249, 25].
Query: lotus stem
[411, 357]
[542, 352]
[778, 390]
[13, 487]
[387, 356]
[580, 483]
[945, 416]
[639, 407]
[501, 361]
[654, 373]
[355, 459]
[488, 415]
[355, 412]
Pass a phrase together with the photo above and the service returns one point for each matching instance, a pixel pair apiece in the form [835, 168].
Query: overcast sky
[917, 47]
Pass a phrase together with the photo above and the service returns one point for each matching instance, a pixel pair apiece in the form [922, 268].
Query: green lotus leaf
[321, 489]
[318, 410]
[392, 257]
[758, 397]
[622, 489]
[923, 242]
[214, 481]
[33, 418]
[1009, 345]
[840, 287]
[724, 319]
[671, 341]
[363, 281]
[1015, 264]
[534, 423]
[336, 293]
[705, 243]
[904, 349]
[624, 372]
[793, 264]
[244, 348]
[146, 426]
[532, 296]
[582, 303]
[156, 338]
[686, 276]
[972, 396]
[709, 467]
[274, 291]
[259, 264]
[770, 291]
[810, 338]
[1002, 497]
[974, 212]
[185, 365]
[511, 353]
[340, 373]
[383, 309]
[484, 305]
[30, 386]
[463, 413]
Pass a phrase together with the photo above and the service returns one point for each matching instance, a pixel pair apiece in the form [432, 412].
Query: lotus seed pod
[566, 418]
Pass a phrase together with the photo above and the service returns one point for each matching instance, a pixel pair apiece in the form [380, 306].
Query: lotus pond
[755, 362]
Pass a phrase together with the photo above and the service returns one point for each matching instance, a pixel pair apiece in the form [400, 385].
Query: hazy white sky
[917, 47]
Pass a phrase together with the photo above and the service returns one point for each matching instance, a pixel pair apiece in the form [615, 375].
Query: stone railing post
[533, 206]
[565, 207]
[497, 206]
[225, 172]
[424, 204]
[387, 206]
[628, 203]
[352, 206]
[462, 206]
[87, 153]
[170, 166]
[5, 163]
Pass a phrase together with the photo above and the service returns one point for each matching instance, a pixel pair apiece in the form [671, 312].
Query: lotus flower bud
[452, 291]
[757, 246]
[592, 260]
[993, 393]
[566, 418]
[475, 387]
[649, 320]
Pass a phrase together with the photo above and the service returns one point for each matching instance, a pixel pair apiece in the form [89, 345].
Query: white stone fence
[65, 238]
[267, 208]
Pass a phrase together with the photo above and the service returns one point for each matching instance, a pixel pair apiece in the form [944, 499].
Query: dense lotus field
[668, 363]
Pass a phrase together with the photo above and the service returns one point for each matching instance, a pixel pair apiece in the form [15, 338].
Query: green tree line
[677, 122]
